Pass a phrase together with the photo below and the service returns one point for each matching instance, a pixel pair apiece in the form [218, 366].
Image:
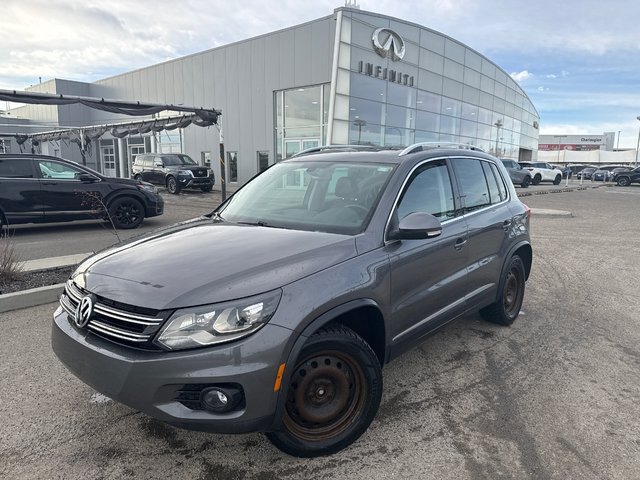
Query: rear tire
[537, 179]
[526, 181]
[334, 394]
[511, 290]
[623, 181]
[557, 180]
[126, 213]
[173, 186]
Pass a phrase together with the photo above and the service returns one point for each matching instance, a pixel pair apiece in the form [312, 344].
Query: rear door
[20, 200]
[489, 221]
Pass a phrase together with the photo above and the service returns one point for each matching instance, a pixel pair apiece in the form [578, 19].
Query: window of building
[232, 166]
[5, 145]
[205, 158]
[263, 161]
[108, 155]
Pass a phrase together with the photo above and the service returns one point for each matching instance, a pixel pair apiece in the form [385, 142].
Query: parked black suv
[625, 179]
[173, 170]
[300, 287]
[42, 189]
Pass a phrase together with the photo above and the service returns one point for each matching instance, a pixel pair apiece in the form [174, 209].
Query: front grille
[201, 173]
[115, 321]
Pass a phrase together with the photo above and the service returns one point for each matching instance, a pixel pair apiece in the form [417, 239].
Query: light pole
[618, 145]
[559, 137]
[498, 125]
[358, 122]
[638, 144]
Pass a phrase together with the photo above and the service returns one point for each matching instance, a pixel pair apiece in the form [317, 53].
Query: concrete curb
[30, 298]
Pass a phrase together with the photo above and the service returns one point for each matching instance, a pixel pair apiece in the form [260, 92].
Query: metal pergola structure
[199, 116]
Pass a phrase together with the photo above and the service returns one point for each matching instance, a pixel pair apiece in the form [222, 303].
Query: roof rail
[341, 148]
[419, 147]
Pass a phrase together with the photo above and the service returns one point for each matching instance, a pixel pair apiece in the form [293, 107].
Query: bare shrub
[11, 267]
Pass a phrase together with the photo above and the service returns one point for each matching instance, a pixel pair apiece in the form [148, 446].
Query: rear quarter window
[15, 168]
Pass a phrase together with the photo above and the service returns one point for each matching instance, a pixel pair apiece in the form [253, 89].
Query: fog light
[220, 400]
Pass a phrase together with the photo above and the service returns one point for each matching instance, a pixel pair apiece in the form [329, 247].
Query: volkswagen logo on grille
[388, 43]
[84, 310]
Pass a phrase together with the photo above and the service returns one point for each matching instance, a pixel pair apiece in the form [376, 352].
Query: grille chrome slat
[111, 322]
[102, 328]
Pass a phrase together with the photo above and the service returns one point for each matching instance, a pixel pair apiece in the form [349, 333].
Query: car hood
[126, 181]
[203, 262]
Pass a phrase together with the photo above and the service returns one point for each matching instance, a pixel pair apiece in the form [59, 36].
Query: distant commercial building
[578, 143]
[352, 77]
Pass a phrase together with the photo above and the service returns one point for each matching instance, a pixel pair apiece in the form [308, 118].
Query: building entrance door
[293, 146]
[108, 161]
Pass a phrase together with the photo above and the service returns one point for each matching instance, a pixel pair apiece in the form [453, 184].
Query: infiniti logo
[388, 43]
[84, 310]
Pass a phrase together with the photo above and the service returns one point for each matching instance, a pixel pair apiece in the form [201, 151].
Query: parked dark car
[586, 173]
[42, 189]
[297, 290]
[517, 174]
[173, 170]
[604, 173]
[625, 179]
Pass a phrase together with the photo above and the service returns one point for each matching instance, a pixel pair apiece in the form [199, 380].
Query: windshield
[334, 197]
[177, 160]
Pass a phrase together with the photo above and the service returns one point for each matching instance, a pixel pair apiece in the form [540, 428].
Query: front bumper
[188, 181]
[150, 381]
[155, 207]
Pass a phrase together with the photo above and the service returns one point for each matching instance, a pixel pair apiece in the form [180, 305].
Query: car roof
[385, 154]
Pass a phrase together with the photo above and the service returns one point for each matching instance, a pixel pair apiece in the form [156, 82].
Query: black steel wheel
[172, 185]
[623, 181]
[526, 181]
[333, 395]
[511, 294]
[126, 212]
[537, 179]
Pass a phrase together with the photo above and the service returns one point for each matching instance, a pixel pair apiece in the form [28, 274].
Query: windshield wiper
[216, 217]
[258, 223]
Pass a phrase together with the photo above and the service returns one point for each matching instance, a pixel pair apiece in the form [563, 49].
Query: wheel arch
[363, 316]
[525, 252]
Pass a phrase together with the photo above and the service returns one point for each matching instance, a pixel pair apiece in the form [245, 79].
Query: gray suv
[277, 311]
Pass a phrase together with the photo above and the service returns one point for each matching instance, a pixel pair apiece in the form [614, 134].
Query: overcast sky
[579, 61]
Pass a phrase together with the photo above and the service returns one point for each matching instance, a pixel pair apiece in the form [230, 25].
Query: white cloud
[551, 75]
[521, 76]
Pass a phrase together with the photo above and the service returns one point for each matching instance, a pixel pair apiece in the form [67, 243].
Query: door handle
[460, 242]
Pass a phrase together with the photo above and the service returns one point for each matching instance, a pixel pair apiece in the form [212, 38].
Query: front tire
[207, 188]
[334, 394]
[173, 186]
[537, 179]
[512, 285]
[126, 213]
[557, 180]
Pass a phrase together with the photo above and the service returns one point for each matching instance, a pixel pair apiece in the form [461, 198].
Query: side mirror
[416, 226]
[86, 177]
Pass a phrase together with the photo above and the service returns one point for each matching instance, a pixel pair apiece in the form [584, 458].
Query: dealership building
[352, 77]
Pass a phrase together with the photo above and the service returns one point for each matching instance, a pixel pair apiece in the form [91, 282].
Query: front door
[428, 277]
[64, 196]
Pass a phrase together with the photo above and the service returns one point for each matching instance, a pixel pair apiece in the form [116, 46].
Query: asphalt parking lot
[555, 396]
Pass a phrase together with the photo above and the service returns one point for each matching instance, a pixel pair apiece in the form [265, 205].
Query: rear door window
[473, 184]
[16, 168]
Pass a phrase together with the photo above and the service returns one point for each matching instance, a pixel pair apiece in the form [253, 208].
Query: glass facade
[441, 91]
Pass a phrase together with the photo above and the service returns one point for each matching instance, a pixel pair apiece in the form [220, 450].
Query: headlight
[148, 188]
[218, 323]
[185, 172]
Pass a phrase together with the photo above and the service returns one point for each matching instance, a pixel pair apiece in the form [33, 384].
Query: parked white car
[542, 172]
